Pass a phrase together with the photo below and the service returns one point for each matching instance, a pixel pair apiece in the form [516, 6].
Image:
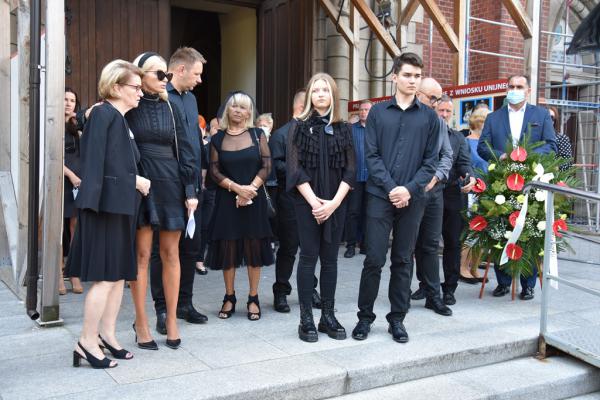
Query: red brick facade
[481, 36]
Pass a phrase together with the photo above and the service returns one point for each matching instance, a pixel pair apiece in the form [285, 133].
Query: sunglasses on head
[161, 75]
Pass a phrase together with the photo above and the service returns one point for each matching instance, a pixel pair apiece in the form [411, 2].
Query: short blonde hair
[243, 100]
[477, 118]
[334, 107]
[114, 73]
[268, 117]
[150, 64]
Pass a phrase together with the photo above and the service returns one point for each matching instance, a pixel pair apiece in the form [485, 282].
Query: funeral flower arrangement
[499, 201]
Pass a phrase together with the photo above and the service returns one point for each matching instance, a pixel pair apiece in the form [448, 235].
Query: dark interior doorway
[201, 30]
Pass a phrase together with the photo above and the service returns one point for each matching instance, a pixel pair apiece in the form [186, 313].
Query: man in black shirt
[287, 227]
[402, 151]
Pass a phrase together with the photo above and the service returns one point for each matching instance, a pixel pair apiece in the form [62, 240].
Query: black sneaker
[527, 294]
[500, 291]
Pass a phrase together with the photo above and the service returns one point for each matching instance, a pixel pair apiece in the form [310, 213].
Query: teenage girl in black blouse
[320, 171]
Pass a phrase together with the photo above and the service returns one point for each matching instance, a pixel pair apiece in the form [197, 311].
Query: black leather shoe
[280, 303]
[161, 323]
[361, 330]
[527, 294]
[449, 299]
[470, 281]
[418, 295]
[398, 331]
[191, 315]
[500, 291]
[350, 252]
[316, 299]
[437, 305]
[363, 250]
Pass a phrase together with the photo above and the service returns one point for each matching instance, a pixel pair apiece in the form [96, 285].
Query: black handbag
[271, 211]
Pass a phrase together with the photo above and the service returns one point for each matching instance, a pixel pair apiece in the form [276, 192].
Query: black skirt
[103, 248]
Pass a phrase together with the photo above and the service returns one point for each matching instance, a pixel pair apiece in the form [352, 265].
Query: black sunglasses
[161, 75]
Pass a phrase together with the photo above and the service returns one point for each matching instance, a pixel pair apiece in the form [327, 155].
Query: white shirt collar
[522, 109]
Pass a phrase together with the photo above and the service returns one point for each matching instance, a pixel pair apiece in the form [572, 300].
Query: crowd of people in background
[155, 194]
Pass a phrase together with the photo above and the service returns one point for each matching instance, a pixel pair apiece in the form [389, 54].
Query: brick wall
[482, 36]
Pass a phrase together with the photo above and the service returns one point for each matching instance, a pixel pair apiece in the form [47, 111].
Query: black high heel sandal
[228, 298]
[253, 316]
[151, 345]
[93, 361]
[120, 354]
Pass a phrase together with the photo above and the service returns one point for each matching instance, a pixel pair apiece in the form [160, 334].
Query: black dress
[103, 247]
[168, 163]
[73, 162]
[239, 236]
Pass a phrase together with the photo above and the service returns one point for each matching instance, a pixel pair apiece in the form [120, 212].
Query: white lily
[500, 199]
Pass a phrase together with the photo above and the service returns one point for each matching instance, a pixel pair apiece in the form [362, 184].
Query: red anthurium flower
[561, 183]
[478, 223]
[480, 186]
[512, 218]
[518, 154]
[515, 182]
[514, 251]
[559, 224]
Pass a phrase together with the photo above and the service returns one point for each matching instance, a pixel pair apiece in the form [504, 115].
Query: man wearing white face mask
[516, 122]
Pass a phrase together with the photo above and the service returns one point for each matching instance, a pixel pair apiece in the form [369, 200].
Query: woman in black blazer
[103, 249]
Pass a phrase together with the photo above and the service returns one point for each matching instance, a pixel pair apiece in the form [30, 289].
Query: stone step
[526, 378]
[591, 396]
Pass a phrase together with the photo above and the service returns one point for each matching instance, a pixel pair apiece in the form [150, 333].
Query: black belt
[156, 150]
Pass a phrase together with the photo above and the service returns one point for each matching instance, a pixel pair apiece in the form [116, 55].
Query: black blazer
[109, 164]
[461, 165]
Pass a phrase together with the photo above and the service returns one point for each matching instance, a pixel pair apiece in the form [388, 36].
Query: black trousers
[383, 218]
[313, 247]
[452, 227]
[188, 254]
[206, 206]
[355, 218]
[428, 242]
[287, 232]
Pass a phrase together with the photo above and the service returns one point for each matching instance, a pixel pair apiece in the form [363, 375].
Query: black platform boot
[328, 323]
[306, 330]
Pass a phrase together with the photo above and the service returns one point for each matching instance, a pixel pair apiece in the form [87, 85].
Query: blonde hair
[334, 107]
[187, 56]
[243, 100]
[477, 118]
[268, 117]
[149, 65]
[114, 73]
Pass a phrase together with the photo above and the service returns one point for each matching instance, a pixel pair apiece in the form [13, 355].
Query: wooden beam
[408, 12]
[332, 12]
[354, 54]
[22, 185]
[440, 22]
[460, 28]
[5, 86]
[382, 34]
[519, 15]
[54, 128]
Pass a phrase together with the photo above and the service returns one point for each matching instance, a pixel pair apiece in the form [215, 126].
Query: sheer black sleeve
[188, 165]
[265, 154]
[215, 170]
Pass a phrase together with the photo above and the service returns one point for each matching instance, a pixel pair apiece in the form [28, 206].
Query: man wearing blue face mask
[515, 122]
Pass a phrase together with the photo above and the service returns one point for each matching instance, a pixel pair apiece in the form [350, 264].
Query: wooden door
[99, 31]
[284, 54]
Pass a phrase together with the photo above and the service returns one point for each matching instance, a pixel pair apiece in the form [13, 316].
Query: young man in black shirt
[402, 152]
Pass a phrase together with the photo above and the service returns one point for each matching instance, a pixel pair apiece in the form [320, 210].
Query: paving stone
[43, 376]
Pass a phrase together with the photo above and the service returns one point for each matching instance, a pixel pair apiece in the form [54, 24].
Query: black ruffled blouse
[322, 155]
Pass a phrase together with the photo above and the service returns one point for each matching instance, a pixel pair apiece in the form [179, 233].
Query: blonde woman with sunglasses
[167, 160]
